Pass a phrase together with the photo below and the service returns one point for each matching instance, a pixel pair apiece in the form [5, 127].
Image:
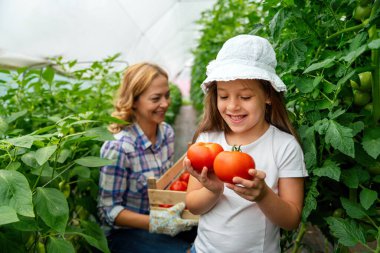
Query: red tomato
[202, 154]
[230, 164]
[165, 205]
[185, 177]
[178, 186]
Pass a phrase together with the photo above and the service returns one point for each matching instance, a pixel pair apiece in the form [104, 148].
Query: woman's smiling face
[152, 104]
[242, 105]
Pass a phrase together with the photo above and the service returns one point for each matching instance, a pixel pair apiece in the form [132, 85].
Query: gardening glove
[169, 221]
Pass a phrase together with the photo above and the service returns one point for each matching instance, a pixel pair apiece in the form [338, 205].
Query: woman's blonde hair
[275, 113]
[136, 80]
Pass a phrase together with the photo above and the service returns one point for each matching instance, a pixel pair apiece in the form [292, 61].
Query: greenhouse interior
[190, 126]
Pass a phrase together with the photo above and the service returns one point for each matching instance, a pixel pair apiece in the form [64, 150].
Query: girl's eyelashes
[241, 97]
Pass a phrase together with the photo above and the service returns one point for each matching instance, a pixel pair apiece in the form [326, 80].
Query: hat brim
[235, 71]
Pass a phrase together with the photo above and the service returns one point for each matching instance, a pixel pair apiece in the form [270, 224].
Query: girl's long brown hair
[276, 113]
[136, 80]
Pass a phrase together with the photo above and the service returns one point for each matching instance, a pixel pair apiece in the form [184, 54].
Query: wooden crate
[159, 194]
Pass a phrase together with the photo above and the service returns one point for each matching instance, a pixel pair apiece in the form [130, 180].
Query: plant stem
[349, 29]
[375, 57]
[300, 235]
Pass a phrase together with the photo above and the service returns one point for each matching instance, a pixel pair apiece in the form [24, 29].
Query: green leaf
[356, 127]
[296, 51]
[100, 134]
[3, 126]
[25, 141]
[81, 172]
[305, 85]
[45, 170]
[354, 210]
[63, 155]
[367, 198]
[336, 114]
[8, 215]
[48, 74]
[329, 169]
[51, 205]
[276, 24]
[310, 200]
[15, 192]
[350, 178]
[16, 115]
[347, 231]
[30, 159]
[58, 245]
[327, 63]
[94, 161]
[352, 55]
[94, 235]
[371, 142]
[354, 176]
[43, 154]
[340, 138]
[28, 224]
[375, 44]
[13, 166]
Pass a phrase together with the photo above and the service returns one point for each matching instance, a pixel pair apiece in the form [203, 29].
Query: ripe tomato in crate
[160, 196]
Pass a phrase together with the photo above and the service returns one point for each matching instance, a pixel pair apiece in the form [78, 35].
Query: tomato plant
[230, 164]
[202, 154]
[178, 186]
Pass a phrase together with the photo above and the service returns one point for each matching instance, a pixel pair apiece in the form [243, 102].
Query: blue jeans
[141, 241]
[192, 250]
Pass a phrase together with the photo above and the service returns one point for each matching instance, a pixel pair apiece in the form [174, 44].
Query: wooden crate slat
[171, 174]
[165, 196]
[159, 194]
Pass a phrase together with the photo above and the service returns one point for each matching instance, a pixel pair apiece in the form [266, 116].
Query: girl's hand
[209, 180]
[252, 190]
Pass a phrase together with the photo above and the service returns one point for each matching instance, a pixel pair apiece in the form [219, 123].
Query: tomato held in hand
[178, 186]
[230, 164]
[185, 177]
[202, 154]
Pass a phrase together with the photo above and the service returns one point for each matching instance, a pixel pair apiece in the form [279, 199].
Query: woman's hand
[252, 190]
[209, 180]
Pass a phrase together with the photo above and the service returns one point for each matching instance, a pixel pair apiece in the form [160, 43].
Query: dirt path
[184, 127]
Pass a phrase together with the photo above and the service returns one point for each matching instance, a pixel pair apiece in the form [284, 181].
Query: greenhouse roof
[160, 31]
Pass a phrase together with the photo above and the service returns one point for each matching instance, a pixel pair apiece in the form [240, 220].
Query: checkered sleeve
[112, 182]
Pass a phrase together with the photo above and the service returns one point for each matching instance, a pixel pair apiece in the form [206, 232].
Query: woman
[142, 148]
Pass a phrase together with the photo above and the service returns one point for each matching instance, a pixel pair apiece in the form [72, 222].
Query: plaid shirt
[124, 184]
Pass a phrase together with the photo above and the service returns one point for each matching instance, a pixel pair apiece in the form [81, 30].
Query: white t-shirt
[237, 225]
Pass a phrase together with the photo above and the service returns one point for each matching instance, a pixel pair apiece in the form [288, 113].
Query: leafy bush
[326, 52]
[176, 103]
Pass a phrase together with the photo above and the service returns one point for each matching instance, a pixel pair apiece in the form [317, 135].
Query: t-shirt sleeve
[291, 160]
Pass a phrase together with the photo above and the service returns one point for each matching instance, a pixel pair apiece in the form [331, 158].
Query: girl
[143, 148]
[244, 106]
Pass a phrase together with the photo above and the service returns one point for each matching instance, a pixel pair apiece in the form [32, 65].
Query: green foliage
[321, 51]
[176, 103]
[51, 129]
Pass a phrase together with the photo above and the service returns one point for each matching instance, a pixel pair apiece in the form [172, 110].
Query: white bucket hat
[244, 57]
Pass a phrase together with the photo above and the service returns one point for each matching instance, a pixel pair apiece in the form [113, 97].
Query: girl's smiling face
[242, 104]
